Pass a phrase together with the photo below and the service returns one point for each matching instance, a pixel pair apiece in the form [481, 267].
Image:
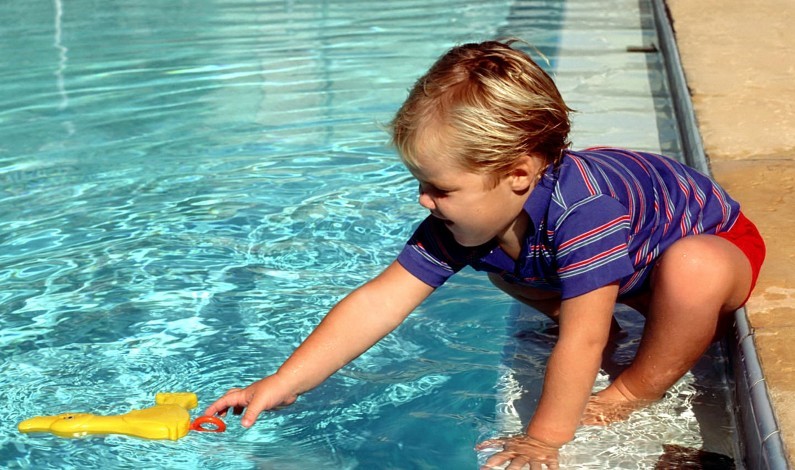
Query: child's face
[471, 206]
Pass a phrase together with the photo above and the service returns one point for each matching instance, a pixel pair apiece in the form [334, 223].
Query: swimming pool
[185, 189]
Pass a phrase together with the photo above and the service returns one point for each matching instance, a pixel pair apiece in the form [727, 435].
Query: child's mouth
[447, 222]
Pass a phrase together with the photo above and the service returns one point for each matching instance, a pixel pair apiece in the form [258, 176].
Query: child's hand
[520, 451]
[599, 412]
[265, 394]
[611, 405]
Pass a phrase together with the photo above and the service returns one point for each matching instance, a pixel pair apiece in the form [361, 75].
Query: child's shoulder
[614, 154]
[594, 161]
[612, 173]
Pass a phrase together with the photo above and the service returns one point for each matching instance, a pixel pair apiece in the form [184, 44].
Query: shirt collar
[538, 202]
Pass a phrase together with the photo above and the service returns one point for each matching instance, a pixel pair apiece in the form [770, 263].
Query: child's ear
[523, 174]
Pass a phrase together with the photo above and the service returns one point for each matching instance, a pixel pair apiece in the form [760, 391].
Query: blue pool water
[187, 187]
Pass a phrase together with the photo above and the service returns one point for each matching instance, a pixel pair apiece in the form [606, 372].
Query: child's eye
[432, 190]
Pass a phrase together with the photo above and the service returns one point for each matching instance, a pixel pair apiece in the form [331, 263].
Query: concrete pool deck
[739, 61]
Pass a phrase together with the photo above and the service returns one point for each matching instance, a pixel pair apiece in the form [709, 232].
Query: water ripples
[186, 189]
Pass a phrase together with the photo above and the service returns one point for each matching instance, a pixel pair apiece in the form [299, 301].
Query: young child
[485, 133]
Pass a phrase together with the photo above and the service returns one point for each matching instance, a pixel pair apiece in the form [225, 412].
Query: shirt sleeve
[591, 243]
[432, 255]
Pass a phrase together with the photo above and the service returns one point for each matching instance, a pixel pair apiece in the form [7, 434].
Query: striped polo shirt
[602, 215]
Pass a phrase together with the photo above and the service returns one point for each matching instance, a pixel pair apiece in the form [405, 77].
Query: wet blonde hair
[497, 102]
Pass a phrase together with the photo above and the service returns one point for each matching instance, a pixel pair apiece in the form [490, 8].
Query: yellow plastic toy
[168, 419]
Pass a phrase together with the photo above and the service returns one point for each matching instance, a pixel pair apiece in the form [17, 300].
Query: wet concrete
[739, 60]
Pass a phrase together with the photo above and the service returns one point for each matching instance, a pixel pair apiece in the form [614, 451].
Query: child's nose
[426, 201]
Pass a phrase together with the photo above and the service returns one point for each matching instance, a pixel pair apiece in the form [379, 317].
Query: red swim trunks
[746, 237]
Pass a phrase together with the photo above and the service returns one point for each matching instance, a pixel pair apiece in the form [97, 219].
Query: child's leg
[545, 302]
[696, 282]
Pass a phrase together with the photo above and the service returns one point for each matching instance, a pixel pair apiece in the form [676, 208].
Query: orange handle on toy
[198, 424]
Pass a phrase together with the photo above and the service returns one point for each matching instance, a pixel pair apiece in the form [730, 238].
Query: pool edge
[761, 443]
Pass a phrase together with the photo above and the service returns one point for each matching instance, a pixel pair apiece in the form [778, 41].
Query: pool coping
[760, 436]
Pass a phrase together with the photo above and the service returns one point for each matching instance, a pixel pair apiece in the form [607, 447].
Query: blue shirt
[602, 215]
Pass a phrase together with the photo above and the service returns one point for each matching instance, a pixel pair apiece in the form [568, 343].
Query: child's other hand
[600, 412]
[610, 406]
[519, 451]
[265, 394]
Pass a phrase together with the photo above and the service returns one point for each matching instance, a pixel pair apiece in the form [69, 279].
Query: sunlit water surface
[187, 187]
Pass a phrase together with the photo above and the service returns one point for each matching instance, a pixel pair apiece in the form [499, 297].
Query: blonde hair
[499, 104]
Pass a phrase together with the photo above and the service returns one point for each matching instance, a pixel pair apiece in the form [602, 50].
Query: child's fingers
[216, 409]
[250, 416]
[498, 460]
[251, 401]
[258, 405]
[231, 399]
[490, 444]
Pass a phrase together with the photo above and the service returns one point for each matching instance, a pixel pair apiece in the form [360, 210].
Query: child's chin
[468, 241]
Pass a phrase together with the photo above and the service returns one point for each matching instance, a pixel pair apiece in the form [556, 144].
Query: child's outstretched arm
[571, 371]
[355, 324]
